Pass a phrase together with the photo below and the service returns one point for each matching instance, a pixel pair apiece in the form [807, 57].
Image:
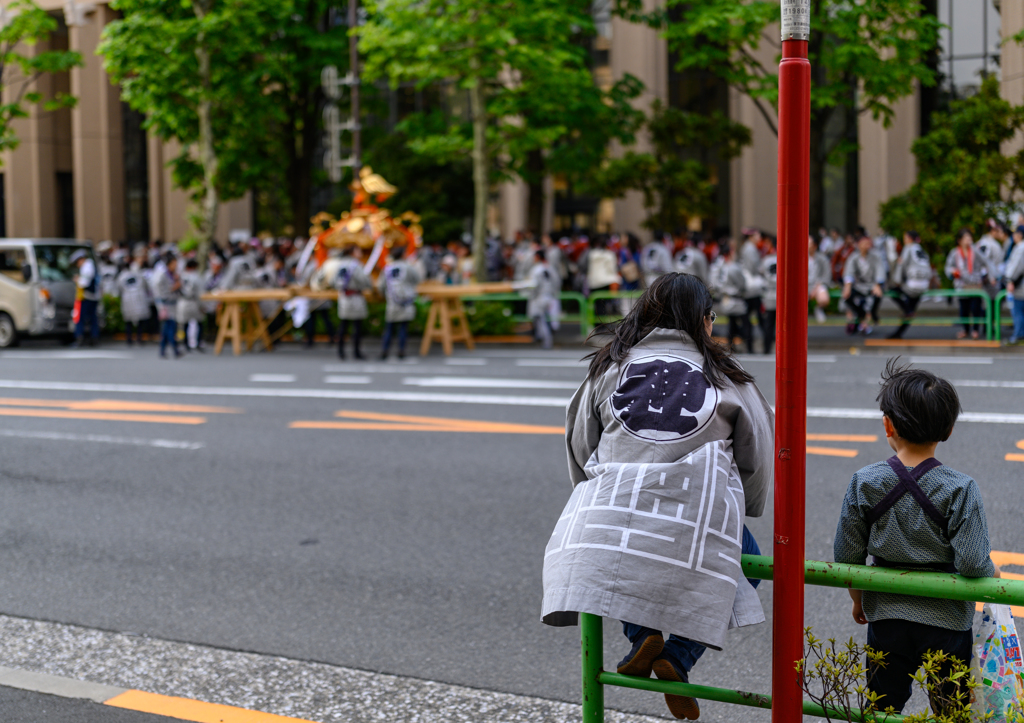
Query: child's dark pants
[904, 644]
[680, 651]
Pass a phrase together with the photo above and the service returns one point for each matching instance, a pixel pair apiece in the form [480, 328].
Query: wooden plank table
[240, 320]
[446, 319]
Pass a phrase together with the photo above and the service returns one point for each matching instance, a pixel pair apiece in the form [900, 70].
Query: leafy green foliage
[676, 186]
[865, 56]
[963, 177]
[26, 24]
[151, 53]
[836, 677]
[523, 71]
[436, 190]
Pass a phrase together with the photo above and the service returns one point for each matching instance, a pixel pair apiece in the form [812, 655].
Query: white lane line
[467, 362]
[430, 397]
[102, 439]
[279, 378]
[69, 354]
[811, 358]
[983, 417]
[951, 360]
[987, 383]
[347, 379]
[574, 363]
[388, 369]
[485, 382]
[293, 393]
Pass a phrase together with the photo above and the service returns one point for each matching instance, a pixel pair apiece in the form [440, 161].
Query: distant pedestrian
[912, 276]
[819, 276]
[398, 282]
[135, 300]
[863, 277]
[190, 306]
[969, 271]
[166, 289]
[730, 283]
[938, 527]
[602, 274]
[542, 307]
[770, 273]
[351, 282]
[655, 260]
[87, 295]
[666, 424]
[1015, 284]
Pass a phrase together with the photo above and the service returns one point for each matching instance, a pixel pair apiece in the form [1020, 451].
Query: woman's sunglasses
[712, 315]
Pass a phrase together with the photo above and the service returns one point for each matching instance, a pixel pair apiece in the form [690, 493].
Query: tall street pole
[791, 361]
[353, 65]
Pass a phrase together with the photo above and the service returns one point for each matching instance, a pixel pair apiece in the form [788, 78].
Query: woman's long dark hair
[674, 301]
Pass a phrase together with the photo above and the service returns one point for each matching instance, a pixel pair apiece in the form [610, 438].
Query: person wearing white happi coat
[135, 300]
[819, 274]
[398, 282]
[691, 260]
[911, 277]
[969, 270]
[863, 277]
[655, 261]
[351, 282]
[670, 444]
[190, 310]
[543, 306]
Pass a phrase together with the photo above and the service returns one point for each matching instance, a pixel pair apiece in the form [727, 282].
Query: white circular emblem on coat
[663, 398]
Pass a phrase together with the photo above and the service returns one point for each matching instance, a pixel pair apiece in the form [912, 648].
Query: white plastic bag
[996, 665]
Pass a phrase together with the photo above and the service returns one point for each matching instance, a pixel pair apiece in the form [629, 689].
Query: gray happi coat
[664, 467]
[351, 281]
[398, 282]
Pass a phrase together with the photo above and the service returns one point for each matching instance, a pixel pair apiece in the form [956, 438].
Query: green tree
[520, 66]
[195, 69]
[25, 24]
[963, 177]
[677, 183]
[865, 56]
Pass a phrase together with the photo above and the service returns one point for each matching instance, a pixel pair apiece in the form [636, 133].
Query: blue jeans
[87, 315]
[681, 652]
[168, 335]
[1018, 319]
[403, 334]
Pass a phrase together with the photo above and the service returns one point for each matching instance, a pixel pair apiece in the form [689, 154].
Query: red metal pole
[791, 361]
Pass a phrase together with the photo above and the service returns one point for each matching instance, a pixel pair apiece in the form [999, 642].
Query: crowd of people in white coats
[160, 288]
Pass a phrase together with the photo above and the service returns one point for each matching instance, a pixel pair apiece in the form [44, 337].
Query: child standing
[913, 513]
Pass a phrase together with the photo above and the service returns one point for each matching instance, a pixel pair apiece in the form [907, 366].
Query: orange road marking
[461, 425]
[192, 710]
[100, 416]
[842, 437]
[832, 452]
[1007, 558]
[1020, 444]
[374, 426]
[114, 405]
[1015, 457]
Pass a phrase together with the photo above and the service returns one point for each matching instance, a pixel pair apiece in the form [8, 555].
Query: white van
[37, 288]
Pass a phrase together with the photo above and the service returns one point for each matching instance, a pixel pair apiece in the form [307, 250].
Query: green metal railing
[997, 314]
[986, 302]
[826, 574]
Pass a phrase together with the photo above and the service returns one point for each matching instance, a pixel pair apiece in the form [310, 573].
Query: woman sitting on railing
[670, 444]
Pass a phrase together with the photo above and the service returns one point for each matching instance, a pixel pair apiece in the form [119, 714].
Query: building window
[136, 175]
[66, 204]
[969, 43]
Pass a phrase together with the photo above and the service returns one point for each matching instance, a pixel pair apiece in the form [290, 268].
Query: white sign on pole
[796, 19]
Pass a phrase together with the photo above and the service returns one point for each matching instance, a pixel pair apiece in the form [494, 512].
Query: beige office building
[92, 172]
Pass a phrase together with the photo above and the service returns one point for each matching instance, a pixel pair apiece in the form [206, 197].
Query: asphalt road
[394, 542]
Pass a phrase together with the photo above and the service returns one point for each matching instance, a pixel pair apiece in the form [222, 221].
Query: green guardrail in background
[826, 574]
[581, 317]
[997, 314]
[836, 294]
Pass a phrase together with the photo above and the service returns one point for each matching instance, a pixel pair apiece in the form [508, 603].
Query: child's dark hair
[673, 301]
[191, 264]
[921, 406]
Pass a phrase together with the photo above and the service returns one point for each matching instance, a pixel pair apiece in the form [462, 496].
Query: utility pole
[333, 125]
[791, 362]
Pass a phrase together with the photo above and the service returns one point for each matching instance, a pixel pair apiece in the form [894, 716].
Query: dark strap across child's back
[908, 483]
